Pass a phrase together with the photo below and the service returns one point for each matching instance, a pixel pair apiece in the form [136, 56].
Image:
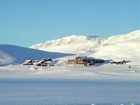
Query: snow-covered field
[69, 85]
[68, 92]
[106, 71]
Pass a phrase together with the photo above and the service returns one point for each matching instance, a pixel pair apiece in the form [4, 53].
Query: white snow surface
[106, 71]
[5, 58]
[117, 47]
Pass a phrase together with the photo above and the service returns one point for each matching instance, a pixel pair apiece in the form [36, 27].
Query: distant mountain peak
[69, 44]
[78, 43]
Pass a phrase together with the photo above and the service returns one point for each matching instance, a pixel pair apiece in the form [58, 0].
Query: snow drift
[10, 54]
[125, 46]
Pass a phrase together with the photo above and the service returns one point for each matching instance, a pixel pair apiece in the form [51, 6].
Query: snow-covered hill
[125, 46]
[10, 54]
[71, 44]
[121, 47]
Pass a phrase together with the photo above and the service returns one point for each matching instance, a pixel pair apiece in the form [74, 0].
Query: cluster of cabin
[80, 60]
[43, 62]
[85, 61]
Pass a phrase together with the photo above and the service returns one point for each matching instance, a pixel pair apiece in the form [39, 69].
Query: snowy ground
[68, 92]
[106, 71]
[70, 85]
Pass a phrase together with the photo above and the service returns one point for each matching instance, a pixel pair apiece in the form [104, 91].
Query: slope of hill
[10, 54]
[125, 46]
[77, 44]
[121, 47]
[71, 44]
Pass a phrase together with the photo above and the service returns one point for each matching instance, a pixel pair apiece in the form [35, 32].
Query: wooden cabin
[85, 61]
[77, 61]
[28, 62]
[43, 62]
[118, 62]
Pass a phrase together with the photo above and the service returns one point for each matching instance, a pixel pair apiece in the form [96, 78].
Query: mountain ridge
[89, 41]
[123, 46]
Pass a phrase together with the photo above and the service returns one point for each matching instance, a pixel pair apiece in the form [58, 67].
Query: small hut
[28, 62]
[45, 62]
[85, 61]
[118, 62]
